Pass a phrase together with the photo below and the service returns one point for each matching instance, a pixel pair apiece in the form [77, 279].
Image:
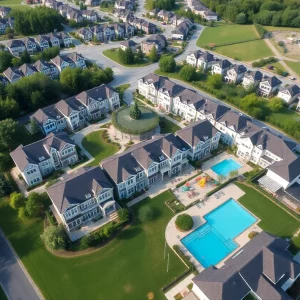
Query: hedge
[220, 187]
[260, 30]
[237, 42]
[264, 61]
[185, 259]
[185, 181]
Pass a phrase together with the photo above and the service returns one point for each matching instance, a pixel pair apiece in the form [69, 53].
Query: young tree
[135, 112]
[17, 200]
[10, 133]
[34, 205]
[167, 64]
[153, 55]
[215, 81]
[9, 32]
[187, 73]
[25, 58]
[54, 237]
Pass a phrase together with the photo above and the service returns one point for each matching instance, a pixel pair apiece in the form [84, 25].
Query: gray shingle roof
[238, 121]
[273, 81]
[293, 89]
[215, 109]
[72, 190]
[263, 260]
[254, 75]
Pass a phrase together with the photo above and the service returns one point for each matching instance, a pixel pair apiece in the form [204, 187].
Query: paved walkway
[179, 287]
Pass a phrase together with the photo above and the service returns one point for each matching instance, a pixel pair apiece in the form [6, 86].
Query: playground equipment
[202, 181]
[185, 189]
[187, 184]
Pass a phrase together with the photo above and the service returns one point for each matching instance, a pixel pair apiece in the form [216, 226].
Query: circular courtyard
[140, 129]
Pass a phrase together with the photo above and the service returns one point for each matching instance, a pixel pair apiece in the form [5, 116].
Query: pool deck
[198, 211]
[206, 167]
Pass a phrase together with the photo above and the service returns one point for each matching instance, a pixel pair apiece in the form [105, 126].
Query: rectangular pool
[213, 241]
[225, 166]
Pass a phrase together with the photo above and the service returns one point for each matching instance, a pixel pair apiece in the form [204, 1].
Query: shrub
[187, 73]
[281, 43]
[252, 234]
[146, 213]
[135, 112]
[85, 242]
[108, 229]
[184, 222]
[54, 237]
[167, 64]
[123, 215]
[17, 200]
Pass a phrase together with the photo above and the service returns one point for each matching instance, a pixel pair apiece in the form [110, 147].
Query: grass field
[127, 268]
[226, 34]
[113, 55]
[295, 66]
[98, 147]
[269, 213]
[248, 51]
[167, 126]
[272, 28]
[2, 294]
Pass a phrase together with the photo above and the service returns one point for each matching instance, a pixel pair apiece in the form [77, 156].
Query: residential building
[30, 45]
[41, 158]
[262, 269]
[158, 41]
[252, 79]
[4, 11]
[85, 33]
[89, 15]
[154, 12]
[16, 47]
[201, 138]
[145, 163]
[165, 15]
[76, 111]
[290, 93]
[210, 16]
[129, 44]
[43, 42]
[123, 4]
[235, 74]
[92, 2]
[221, 67]
[47, 68]
[74, 14]
[4, 80]
[181, 31]
[269, 86]
[13, 74]
[203, 60]
[83, 196]
[28, 69]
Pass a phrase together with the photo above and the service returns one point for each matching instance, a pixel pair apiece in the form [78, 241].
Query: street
[13, 279]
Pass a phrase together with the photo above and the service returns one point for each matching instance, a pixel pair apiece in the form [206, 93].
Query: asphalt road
[13, 279]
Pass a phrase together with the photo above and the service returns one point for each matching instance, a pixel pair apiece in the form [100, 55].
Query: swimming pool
[225, 166]
[213, 241]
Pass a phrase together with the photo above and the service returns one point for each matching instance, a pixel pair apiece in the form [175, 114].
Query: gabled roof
[273, 81]
[15, 43]
[292, 89]
[60, 59]
[223, 63]
[39, 151]
[42, 38]
[207, 56]
[74, 188]
[236, 120]
[128, 43]
[191, 98]
[254, 75]
[239, 69]
[259, 266]
[215, 109]
[12, 73]
[43, 63]
[25, 68]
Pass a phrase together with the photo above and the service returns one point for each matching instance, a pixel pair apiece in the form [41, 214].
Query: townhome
[181, 31]
[63, 61]
[3, 25]
[28, 69]
[158, 41]
[83, 196]
[78, 59]
[192, 59]
[252, 79]
[221, 67]
[47, 68]
[54, 40]
[41, 158]
[85, 33]
[235, 74]
[120, 12]
[148, 27]
[230, 125]
[210, 16]
[92, 2]
[4, 11]
[74, 14]
[129, 44]
[145, 163]
[201, 138]
[76, 111]
[30, 45]
[124, 5]
[262, 269]
[89, 15]
[154, 12]
[203, 60]
[65, 39]
[119, 31]
[269, 86]
[43, 42]
[16, 47]
[129, 29]
[13, 74]
[290, 93]
[165, 15]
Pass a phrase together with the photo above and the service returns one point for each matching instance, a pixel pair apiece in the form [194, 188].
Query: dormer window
[88, 195]
[161, 158]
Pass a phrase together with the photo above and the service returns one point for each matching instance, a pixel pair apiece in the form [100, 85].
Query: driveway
[13, 277]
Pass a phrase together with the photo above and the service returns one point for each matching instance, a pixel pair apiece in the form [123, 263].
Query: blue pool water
[213, 241]
[225, 166]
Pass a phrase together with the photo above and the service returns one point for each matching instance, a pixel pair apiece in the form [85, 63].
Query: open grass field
[2, 294]
[226, 34]
[269, 213]
[248, 51]
[98, 147]
[113, 55]
[272, 28]
[295, 66]
[129, 267]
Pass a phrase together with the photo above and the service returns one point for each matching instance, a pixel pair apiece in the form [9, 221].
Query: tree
[139, 56]
[135, 112]
[22, 213]
[153, 55]
[123, 215]
[9, 32]
[146, 213]
[5, 186]
[70, 80]
[233, 173]
[10, 133]
[34, 205]
[16, 62]
[241, 18]
[215, 81]
[184, 222]
[25, 58]
[5, 60]
[5, 162]
[108, 229]
[276, 104]
[33, 126]
[54, 237]
[37, 100]
[17, 200]
[9, 107]
[167, 64]
[187, 73]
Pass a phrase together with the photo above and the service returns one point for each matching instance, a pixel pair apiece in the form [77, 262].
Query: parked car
[292, 78]
[270, 67]
[284, 74]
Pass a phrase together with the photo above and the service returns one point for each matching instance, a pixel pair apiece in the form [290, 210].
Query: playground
[195, 189]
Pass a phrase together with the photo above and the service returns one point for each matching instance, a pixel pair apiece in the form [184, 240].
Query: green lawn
[113, 55]
[273, 219]
[248, 51]
[295, 66]
[98, 147]
[226, 34]
[167, 126]
[272, 28]
[127, 268]
[2, 294]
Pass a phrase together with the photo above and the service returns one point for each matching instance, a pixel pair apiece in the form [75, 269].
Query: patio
[197, 212]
